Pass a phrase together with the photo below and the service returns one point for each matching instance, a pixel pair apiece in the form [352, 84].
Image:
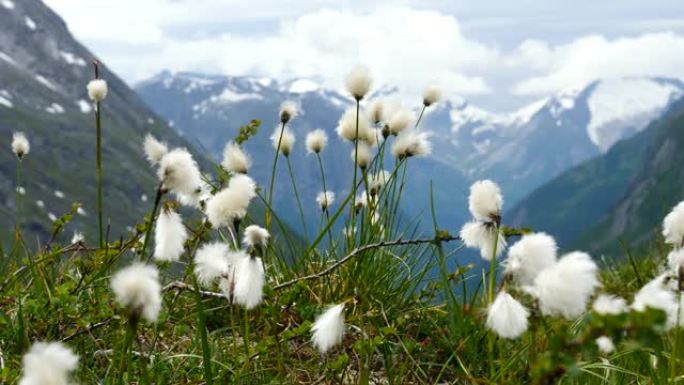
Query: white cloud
[592, 57]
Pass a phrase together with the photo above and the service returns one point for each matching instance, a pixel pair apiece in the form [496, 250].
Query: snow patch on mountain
[70, 58]
[625, 106]
[300, 86]
[54, 108]
[30, 23]
[7, 4]
[7, 58]
[42, 80]
[84, 106]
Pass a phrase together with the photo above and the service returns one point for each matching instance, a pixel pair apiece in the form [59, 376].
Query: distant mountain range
[43, 77]
[521, 151]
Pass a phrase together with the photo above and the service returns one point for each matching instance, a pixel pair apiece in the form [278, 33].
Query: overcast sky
[498, 54]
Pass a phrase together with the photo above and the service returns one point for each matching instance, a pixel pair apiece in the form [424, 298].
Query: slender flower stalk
[97, 90]
[296, 192]
[287, 111]
[20, 147]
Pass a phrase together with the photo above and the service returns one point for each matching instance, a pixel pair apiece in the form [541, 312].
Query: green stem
[202, 325]
[325, 189]
[124, 357]
[148, 231]
[99, 173]
[17, 219]
[299, 202]
[354, 186]
[269, 210]
[492, 267]
[420, 117]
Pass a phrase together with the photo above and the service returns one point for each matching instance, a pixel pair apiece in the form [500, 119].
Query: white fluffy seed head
[360, 201]
[78, 237]
[316, 141]
[154, 149]
[376, 111]
[235, 159]
[506, 316]
[328, 330]
[564, 288]
[283, 140]
[656, 294]
[97, 90]
[411, 143]
[137, 289]
[377, 181]
[48, 363]
[673, 226]
[20, 145]
[180, 173]
[485, 200]
[288, 110]
[675, 259]
[249, 281]
[480, 235]
[529, 256]
[325, 199]
[255, 236]
[605, 345]
[607, 304]
[363, 156]
[399, 121]
[358, 82]
[169, 236]
[431, 95]
[231, 203]
[211, 262]
[346, 127]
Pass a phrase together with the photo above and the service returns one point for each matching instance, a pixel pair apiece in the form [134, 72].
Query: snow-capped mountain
[520, 150]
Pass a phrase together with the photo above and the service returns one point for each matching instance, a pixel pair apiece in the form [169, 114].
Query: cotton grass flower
[358, 82]
[606, 304]
[376, 111]
[529, 256]
[283, 140]
[137, 289]
[411, 143]
[673, 226]
[507, 317]
[565, 288]
[169, 236]
[288, 110]
[328, 330]
[362, 155]
[211, 262]
[605, 345]
[235, 159]
[480, 235]
[249, 281]
[231, 203]
[377, 181]
[154, 149]
[431, 95]
[657, 295]
[255, 236]
[179, 172]
[399, 120]
[675, 260]
[316, 141]
[77, 238]
[347, 126]
[325, 199]
[20, 145]
[48, 363]
[485, 201]
[97, 90]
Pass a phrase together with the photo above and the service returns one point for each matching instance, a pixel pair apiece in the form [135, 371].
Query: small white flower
[376, 111]
[377, 181]
[255, 236]
[231, 203]
[480, 235]
[180, 173]
[605, 345]
[411, 143]
[316, 141]
[283, 140]
[97, 90]
[347, 129]
[363, 156]
[607, 304]
[235, 159]
[288, 110]
[530, 255]
[20, 145]
[211, 262]
[137, 288]
[431, 95]
[564, 288]
[169, 236]
[77, 238]
[21, 190]
[399, 120]
[673, 226]
[249, 281]
[507, 317]
[358, 82]
[325, 199]
[154, 149]
[328, 330]
[48, 363]
[485, 200]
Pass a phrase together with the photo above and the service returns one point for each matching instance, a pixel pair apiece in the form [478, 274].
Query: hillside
[43, 77]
